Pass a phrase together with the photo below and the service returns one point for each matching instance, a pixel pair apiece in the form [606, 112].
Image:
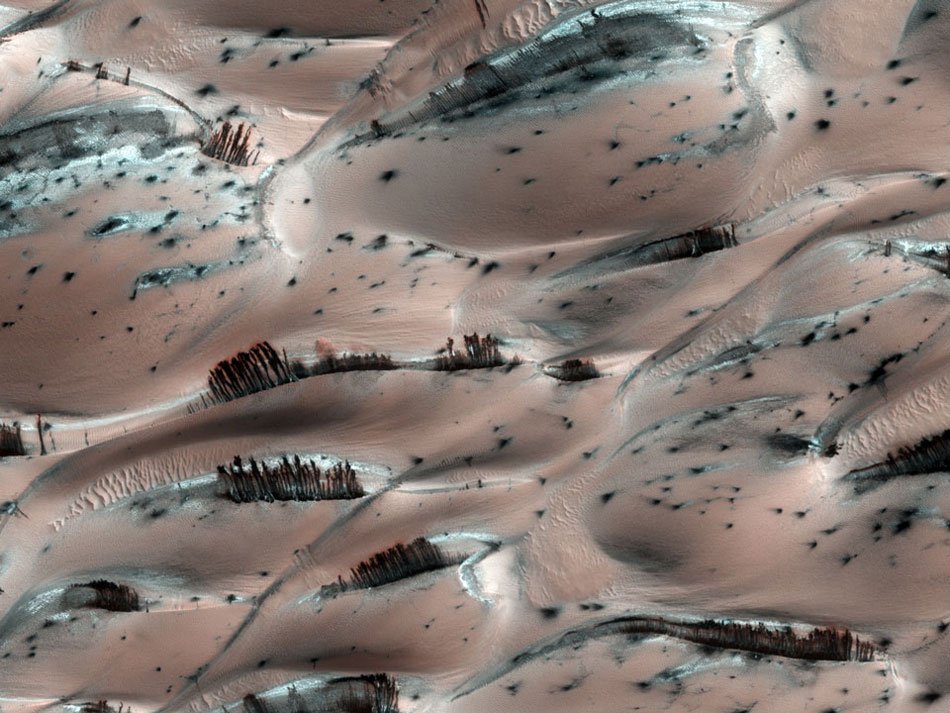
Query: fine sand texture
[468, 356]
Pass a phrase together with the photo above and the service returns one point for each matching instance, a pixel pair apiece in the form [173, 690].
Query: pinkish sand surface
[696, 458]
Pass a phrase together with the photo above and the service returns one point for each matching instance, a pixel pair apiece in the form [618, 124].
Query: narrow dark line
[39, 431]
[482, 12]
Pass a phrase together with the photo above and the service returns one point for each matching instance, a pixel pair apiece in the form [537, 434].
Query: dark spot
[591, 606]
[67, 276]
[822, 124]
[605, 498]
[387, 176]
[277, 32]
[206, 90]
[550, 612]
[135, 21]
[291, 282]
[902, 526]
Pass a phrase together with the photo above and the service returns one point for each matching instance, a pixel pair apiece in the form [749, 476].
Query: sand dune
[475, 355]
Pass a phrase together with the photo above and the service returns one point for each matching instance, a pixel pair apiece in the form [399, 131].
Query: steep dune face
[487, 355]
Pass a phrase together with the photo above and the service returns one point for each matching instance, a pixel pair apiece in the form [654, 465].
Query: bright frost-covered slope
[700, 464]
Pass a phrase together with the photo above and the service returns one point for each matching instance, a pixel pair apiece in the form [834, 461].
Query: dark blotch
[787, 443]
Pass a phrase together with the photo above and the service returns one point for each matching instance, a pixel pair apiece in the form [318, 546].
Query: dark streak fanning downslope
[929, 456]
[288, 480]
[818, 644]
[398, 562]
[103, 594]
[11, 440]
[368, 693]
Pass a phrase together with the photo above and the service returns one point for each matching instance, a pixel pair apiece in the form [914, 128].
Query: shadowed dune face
[474, 355]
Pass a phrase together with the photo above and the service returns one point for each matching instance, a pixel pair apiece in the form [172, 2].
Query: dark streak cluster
[369, 693]
[821, 644]
[330, 363]
[479, 353]
[109, 596]
[289, 480]
[931, 455]
[573, 370]
[11, 440]
[247, 373]
[398, 562]
[230, 146]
